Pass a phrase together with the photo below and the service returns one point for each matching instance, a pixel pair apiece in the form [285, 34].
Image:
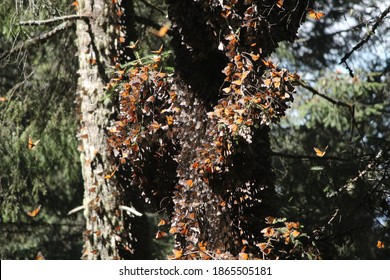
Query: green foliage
[287, 240]
[39, 103]
[343, 196]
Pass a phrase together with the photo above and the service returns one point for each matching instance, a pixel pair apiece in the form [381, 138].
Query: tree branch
[351, 184]
[351, 107]
[36, 40]
[331, 100]
[53, 20]
[306, 157]
[150, 23]
[326, 35]
[153, 7]
[368, 36]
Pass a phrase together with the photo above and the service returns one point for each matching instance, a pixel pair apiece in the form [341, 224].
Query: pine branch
[351, 107]
[368, 36]
[54, 20]
[350, 185]
[37, 40]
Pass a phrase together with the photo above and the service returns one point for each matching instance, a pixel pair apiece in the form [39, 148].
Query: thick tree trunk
[225, 185]
[96, 39]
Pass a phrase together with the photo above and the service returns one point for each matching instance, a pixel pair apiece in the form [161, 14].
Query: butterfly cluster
[165, 119]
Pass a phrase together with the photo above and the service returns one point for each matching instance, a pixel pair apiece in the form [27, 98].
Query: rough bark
[96, 39]
[224, 193]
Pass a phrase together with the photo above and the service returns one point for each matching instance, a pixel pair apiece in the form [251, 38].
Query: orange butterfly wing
[162, 31]
[34, 212]
[160, 234]
[162, 223]
[31, 145]
[158, 51]
[40, 256]
[380, 245]
[133, 45]
[109, 176]
[279, 3]
[316, 15]
[319, 152]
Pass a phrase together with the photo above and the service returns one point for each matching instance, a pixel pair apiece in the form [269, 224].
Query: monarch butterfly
[34, 212]
[160, 234]
[162, 31]
[133, 45]
[320, 153]
[262, 246]
[31, 145]
[268, 232]
[279, 3]
[178, 253]
[158, 51]
[40, 256]
[189, 183]
[109, 176]
[380, 244]
[295, 233]
[173, 230]
[269, 220]
[162, 223]
[243, 256]
[316, 15]
[269, 63]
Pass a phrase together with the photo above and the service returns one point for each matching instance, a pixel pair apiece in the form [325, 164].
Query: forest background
[330, 153]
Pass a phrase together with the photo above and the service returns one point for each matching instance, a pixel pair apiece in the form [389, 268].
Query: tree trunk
[96, 39]
[225, 185]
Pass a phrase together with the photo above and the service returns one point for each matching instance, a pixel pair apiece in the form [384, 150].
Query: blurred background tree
[344, 196]
[38, 90]
[38, 77]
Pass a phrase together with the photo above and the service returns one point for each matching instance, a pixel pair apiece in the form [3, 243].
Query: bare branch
[53, 20]
[351, 107]
[36, 40]
[305, 157]
[368, 36]
[130, 209]
[153, 6]
[331, 100]
[74, 210]
[326, 35]
[350, 185]
[150, 23]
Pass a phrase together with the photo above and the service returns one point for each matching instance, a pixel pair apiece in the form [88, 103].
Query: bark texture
[96, 39]
[225, 187]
